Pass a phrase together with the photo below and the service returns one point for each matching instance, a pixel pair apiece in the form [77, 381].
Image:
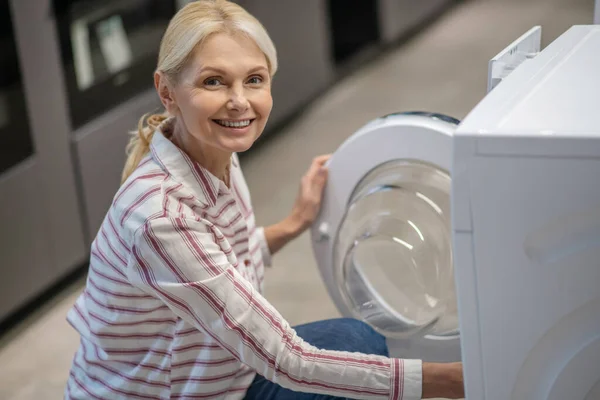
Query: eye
[213, 81]
[255, 80]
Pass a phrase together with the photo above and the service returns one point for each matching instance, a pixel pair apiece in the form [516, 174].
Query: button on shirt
[173, 304]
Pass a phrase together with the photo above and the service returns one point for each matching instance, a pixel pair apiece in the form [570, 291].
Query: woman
[173, 305]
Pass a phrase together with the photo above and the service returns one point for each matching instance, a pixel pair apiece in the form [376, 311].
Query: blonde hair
[187, 30]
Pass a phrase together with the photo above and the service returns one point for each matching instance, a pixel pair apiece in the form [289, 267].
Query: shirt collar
[185, 170]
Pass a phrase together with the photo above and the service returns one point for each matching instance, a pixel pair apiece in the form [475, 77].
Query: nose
[237, 100]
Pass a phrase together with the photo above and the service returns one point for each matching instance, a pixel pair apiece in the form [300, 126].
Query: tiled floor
[443, 69]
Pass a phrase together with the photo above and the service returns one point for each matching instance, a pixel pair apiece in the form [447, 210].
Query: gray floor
[443, 69]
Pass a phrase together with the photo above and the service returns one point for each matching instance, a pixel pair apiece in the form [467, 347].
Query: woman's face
[223, 96]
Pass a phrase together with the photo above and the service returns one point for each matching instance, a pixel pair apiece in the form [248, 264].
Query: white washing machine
[498, 266]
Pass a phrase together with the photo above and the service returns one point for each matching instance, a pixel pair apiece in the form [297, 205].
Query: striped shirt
[173, 305]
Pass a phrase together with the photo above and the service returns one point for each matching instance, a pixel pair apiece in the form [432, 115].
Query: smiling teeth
[234, 124]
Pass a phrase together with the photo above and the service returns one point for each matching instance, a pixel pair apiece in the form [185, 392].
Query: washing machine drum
[383, 238]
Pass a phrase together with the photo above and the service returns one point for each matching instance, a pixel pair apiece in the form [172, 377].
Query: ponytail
[139, 144]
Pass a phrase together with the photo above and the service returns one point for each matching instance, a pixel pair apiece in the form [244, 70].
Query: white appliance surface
[548, 95]
[403, 137]
[525, 205]
[526, 221]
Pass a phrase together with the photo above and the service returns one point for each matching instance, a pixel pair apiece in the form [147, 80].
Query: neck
[214, 160]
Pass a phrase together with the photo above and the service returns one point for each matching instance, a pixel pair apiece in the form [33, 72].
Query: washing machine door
[383, 238]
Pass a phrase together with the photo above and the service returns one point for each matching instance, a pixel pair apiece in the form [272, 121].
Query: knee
[357, 326]
[363, 338]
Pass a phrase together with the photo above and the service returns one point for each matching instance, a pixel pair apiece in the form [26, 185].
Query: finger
[314, 183]
[321, 180]
[318, 172]
[313, 170]
[321, 160]
[318, 164]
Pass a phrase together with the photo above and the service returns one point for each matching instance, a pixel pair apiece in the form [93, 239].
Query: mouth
[234, 124]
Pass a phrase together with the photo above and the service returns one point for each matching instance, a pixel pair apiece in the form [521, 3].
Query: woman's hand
[443, 380]
[306, 208]
[308, 201]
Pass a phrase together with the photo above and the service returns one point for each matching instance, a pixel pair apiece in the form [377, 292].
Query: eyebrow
[223, 72]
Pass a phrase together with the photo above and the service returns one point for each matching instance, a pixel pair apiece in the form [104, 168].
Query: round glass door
[393, 251]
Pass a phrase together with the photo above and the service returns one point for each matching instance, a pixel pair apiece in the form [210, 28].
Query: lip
[234, 120]
[234, 130]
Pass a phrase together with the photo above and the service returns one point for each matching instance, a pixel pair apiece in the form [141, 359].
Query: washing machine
[479, 240]
[383, 237]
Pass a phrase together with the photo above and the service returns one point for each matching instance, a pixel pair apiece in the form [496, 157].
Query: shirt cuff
[264, 247]
[406, 379]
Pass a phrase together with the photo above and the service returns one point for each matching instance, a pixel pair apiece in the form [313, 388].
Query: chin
[238, 145]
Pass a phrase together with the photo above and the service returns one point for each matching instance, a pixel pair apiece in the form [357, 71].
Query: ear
[165, 92]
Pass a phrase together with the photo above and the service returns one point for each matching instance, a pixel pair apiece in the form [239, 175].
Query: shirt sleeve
[179, 261]
[264, 247]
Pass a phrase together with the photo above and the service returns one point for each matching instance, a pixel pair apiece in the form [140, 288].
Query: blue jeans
[342, 334]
